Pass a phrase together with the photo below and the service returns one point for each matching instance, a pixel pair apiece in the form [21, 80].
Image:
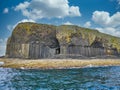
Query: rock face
[31, 40]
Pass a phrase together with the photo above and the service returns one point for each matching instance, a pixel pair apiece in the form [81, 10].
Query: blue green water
[95, 78]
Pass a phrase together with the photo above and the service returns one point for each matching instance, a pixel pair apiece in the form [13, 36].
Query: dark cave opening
[58, 51]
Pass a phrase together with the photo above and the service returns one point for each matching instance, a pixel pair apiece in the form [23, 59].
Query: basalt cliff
[33, 41]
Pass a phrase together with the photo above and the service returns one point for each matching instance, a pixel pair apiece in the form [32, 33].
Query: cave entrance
[58, 51]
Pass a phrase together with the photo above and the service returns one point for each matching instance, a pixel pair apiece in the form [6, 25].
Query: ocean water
[93, 78]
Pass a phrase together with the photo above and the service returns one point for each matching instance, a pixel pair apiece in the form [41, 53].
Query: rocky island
[33, 45]
[37, 41]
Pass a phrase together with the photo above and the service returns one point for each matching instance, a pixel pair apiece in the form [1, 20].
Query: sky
[103, 15]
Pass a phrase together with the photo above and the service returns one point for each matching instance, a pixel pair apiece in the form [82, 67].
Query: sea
[89, 78]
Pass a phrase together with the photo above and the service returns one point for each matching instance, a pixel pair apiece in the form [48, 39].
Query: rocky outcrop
[31, 40]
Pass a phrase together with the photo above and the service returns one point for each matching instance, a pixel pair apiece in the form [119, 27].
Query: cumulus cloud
[68, 23]
[3, 46]
[87, 24]
[109, 24]
[104, 19]
[6, 10]
[22, 6]
[37, 9]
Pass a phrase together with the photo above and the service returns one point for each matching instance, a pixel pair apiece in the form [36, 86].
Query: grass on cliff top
[57, 63]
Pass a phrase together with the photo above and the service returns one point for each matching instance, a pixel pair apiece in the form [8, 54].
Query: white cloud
[3, 46]
[22, 6]
[6, 10]
[87, 24]
[104, 19]
[74, 11]
[68, 23]
[37, 9]
[101, 17]
[109, 24]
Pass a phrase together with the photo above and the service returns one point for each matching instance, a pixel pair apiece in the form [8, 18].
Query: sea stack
[35, 41]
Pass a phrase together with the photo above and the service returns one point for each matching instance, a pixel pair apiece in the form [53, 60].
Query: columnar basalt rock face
[31, 40]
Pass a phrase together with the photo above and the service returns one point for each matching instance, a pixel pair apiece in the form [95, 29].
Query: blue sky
[103, 15]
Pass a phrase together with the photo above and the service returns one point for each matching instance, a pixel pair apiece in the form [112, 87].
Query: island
[34, 45]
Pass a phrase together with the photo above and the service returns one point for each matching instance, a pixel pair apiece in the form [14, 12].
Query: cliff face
[31, 40]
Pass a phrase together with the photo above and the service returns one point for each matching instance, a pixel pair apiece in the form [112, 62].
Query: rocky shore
[56, 63]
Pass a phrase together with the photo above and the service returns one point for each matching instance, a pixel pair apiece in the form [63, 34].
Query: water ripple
[97, 78]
